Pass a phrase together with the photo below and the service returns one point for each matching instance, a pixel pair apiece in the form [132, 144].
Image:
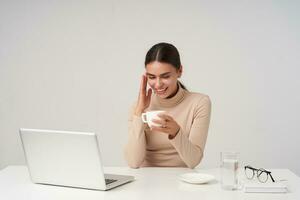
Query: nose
[158, 83]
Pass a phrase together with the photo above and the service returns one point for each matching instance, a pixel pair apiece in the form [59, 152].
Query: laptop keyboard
[109, 181]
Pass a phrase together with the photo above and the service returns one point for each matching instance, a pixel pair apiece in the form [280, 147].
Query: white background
[76, 65]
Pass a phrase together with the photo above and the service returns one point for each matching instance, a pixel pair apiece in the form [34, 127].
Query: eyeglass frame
[257, 170]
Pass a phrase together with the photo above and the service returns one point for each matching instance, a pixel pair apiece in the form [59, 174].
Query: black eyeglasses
[262, 174]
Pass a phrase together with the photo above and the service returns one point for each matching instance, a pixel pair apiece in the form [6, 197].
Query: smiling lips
[161, 91]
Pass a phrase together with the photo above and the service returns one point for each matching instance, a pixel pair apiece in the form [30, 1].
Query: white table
[150, 183]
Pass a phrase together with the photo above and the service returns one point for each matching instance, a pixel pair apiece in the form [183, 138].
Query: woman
[180, 138]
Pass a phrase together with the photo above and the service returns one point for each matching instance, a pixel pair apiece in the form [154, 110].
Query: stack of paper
[276, 187]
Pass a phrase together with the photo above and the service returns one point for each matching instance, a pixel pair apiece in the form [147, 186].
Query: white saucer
[196, 178]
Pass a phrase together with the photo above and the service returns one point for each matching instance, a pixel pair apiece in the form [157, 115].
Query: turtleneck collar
[173, 101]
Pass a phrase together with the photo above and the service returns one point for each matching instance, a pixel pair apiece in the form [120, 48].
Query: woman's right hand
[144, 97]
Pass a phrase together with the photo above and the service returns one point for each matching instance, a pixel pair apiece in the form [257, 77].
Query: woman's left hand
[166, 125]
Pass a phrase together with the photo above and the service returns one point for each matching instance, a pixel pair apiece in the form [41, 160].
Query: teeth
[161, 90]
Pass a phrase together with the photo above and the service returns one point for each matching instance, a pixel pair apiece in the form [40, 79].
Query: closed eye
[151, 77]
[164, 75]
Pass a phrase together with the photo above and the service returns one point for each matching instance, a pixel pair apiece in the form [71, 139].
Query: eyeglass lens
[262, 175]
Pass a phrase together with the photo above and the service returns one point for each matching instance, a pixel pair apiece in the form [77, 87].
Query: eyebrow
[167, 73]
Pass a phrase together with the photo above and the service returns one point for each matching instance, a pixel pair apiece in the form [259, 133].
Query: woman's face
[162, 78]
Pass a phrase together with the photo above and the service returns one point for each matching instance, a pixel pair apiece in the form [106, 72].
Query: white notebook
[276, 187]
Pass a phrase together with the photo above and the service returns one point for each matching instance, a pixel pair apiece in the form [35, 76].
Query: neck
[172, 100]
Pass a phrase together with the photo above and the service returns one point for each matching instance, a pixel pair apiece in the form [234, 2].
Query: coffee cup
[147, 117]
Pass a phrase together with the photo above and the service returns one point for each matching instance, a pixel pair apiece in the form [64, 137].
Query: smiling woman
[180, 137]
[162, 78]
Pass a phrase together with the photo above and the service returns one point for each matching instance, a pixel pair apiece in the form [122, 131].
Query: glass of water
[229, 170]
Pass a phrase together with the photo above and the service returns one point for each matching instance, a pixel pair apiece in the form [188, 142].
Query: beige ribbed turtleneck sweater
[147, 148]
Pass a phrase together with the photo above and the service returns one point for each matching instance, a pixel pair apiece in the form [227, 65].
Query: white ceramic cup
[150, 115]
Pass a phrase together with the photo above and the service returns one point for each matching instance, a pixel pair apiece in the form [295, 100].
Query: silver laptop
[67, 158]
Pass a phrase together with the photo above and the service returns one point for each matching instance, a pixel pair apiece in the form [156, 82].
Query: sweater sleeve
[136, 147]
[191, 148]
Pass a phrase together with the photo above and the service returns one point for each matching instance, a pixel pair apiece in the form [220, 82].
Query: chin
[163, 96]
